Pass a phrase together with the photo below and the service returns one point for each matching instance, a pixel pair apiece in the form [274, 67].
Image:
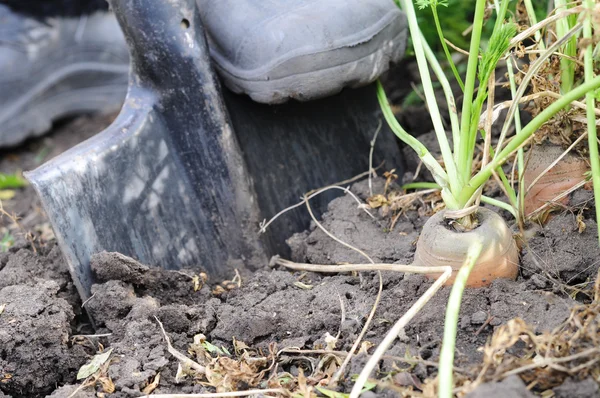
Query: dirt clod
[510, 387]
[35, 354]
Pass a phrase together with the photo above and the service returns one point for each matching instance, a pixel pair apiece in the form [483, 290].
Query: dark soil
[45, 336]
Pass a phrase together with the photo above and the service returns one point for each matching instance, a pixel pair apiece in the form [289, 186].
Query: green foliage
[422, 4]
[455, 17]
[497, 47]
[6, 242]
[11, 181]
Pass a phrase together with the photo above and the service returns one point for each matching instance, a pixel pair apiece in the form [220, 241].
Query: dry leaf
[377, 201]
[303, 285]
[152, 386]
[94, 365]
[107, 385]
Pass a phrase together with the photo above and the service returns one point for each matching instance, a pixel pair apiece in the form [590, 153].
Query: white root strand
[446, 272]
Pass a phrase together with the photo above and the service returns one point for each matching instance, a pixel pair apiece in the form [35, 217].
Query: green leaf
[92, 367]
[211, 348]
[497, 47]
[11, 181]
[422, 4]
[6, 242]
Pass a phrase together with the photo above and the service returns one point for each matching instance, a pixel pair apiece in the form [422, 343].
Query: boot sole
[322, 82]
[76, 89]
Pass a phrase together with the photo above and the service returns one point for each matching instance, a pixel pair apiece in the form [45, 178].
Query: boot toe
[273, 50]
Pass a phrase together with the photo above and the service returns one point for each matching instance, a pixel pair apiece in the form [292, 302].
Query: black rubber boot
[57, 66]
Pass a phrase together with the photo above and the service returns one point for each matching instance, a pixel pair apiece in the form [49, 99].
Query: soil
[46, 336]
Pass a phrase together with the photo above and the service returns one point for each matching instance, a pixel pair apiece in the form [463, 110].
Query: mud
[270, 307]
[563, 254]
[46, 336]
[35, 328]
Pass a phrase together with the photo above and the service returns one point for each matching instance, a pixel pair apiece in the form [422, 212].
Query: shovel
[185, 174]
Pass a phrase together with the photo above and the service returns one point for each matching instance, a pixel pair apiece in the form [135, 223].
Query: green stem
[465, 126]
[512, 196]
[567, 66]
[437, 171]
[446, 367]
[520, 154]
[500, 204]
[445, 47]
[447, 89]
[533, 21]
[591, 117]
[520, 139]
[453, 178]
[420, 185]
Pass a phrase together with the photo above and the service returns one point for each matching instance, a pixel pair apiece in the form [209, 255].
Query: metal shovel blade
[174, 182]
[166, 182]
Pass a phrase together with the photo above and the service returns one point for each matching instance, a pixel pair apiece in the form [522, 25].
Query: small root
[180, 357]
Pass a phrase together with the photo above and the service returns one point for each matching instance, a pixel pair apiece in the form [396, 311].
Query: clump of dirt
[23, 266]
[512, 387]
[35, 328]
[587, 388]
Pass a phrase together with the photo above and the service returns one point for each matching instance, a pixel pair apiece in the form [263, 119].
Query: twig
[180, 357]
[392, 357]
[309, 195]
[531, 30]
[371, 170]
[92, 336]
[362, 333]
[550, 361]
[88, 300]
[341, 242]
[334, 269]
[84, 384]
[558, 197]
[221, 394]
[342, 318]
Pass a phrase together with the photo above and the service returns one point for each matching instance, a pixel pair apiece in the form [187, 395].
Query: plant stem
[533, 69]
[455, 182]
[463, 160]
[450, 324]
[445, 47]
[485, 199]
[420, 185]
[520, 154]
[591, 117]
[500, 204]
[532, 21]
[437, 171]
[447, 89]
[567, 66]
[520, 139]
